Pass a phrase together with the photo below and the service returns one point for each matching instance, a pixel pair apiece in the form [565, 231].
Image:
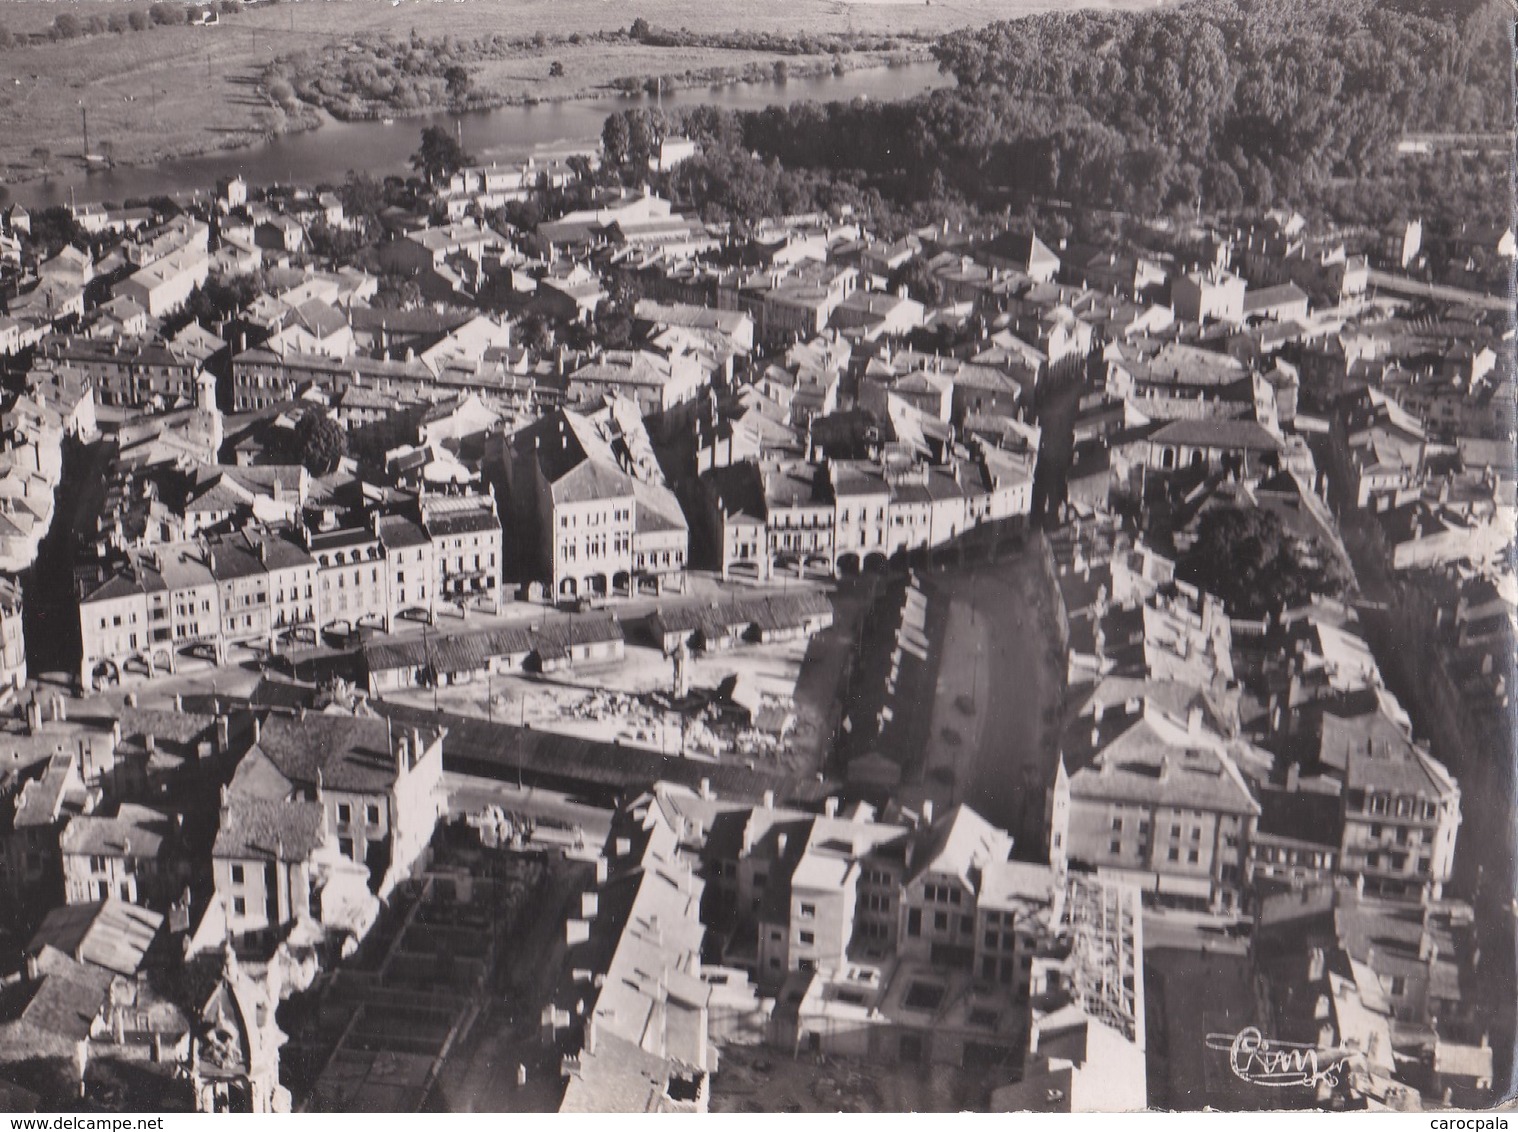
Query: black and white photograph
[814, 557]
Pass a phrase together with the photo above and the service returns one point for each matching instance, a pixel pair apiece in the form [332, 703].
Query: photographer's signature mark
[1280, 1065]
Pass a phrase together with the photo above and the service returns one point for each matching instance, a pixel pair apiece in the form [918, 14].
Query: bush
[137, 20]
[67, 26]
[117, 23]
[5, 37]
[282, 92]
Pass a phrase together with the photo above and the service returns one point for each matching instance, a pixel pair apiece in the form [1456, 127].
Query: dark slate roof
[268, 829]
[1211, 432]
[348, 753]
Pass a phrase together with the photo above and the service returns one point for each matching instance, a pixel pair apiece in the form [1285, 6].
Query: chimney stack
[927, 811]
[830, 807]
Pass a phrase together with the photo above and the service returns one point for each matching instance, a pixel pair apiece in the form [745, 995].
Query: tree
[535, 333]
[615, 136]
[396, 292]
[458, 81]
[439, 155]
[918, 278]
[320, 441]
[639, 29]
[137, 20]
[362, 196]
[43, 157]
[67, 26]
[556, 70]
[1247, 557]
[5, 37]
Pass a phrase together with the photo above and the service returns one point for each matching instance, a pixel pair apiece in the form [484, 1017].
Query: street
[996, 705]
[468, 794]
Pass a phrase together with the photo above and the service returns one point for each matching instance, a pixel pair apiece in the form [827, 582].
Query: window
[940, 921]
[1175, 854]
[914, 922]
[371, 814]
[239, 906]
[806, 938]
[1117, 825]
[808, 910]
[992, 938]
[237, 875]
[1192, 856]
[345, 847]
[1196, 834]
[344, 813]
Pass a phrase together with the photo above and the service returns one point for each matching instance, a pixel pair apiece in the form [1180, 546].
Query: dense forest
[1219, 105]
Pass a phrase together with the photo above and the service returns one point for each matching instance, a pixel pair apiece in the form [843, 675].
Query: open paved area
[991, 743]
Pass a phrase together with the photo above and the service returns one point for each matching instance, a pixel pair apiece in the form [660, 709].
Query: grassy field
[175, 91]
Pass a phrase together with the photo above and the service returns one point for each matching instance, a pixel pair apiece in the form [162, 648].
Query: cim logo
[1281, 1065]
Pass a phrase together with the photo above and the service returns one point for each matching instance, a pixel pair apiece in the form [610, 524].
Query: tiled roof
[269, 829]
[344, 752]
[135, 831]
[111, 934]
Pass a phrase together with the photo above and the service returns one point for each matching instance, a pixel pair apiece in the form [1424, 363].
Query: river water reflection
[506, 133]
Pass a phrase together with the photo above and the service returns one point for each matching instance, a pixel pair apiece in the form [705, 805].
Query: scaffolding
[1103, 925]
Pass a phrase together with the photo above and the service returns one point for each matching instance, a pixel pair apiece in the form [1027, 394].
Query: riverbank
[163, 149]
[567, 75]
[149, 98]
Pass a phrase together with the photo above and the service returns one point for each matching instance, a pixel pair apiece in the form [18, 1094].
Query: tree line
[1218, 106]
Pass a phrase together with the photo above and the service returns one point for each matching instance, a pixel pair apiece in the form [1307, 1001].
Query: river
[505, 133]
